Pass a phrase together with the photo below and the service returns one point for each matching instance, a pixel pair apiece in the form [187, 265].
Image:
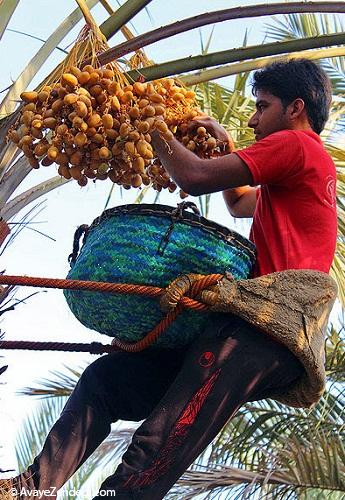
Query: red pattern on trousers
[175, 439]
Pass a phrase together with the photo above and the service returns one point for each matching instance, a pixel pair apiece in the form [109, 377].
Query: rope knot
[196, 286]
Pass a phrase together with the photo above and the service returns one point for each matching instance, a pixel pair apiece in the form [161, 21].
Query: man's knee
[98, 383]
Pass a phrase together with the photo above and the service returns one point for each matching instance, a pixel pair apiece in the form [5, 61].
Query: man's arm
[196, 175]
[241, 201]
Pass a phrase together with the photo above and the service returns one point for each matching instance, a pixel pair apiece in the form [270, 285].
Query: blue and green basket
[151, 245]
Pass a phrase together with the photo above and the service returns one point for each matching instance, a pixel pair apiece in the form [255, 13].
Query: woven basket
[152, 245]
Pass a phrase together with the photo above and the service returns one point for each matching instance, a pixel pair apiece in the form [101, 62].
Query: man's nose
[253, 120]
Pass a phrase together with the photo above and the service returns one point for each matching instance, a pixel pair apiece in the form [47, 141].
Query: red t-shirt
[295, 220]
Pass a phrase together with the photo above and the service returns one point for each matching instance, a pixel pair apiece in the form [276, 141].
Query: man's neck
[302, 124]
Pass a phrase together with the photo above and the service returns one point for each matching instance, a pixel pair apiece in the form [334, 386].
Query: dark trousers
[185, 395]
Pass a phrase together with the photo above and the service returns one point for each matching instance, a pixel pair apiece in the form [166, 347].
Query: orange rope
[122, 288]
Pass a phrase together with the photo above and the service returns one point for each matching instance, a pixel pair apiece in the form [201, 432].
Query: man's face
[270, 115]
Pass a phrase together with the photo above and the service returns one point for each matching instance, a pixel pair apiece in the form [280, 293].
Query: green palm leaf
[335, 359]
[7, 9]
[121, 17]
[314, 470]
[254, 64]
[312, 467]
[59, 383]
[34, 430]
[9, 103]
[188, 64]
[23, 199]
[204, 20]
[295, 27]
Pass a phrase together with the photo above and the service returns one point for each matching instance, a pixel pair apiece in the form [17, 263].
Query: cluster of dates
[94, 125]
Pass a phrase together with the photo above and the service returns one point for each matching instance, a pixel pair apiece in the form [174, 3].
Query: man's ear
[297, 108]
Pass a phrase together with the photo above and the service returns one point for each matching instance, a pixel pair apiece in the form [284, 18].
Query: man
[296, 174]
[187, 396]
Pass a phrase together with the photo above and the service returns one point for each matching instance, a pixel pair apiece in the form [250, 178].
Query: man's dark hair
[298, 78]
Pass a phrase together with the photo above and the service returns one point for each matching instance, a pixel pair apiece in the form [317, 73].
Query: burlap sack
[291, 306]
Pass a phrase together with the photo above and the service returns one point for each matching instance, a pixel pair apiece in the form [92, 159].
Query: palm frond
[29, 35]
[121, 17]
[230, 107]
[7, 9]
[22, 224]
[266, 425]
[297, 26]
[336, 122]
[335, 356]
[35, 428]
[187, 64]
[12, 178]
[242, 68]
[338, 266]
[16, 204]
[9, 103]
[141, 195]
[315, 467]
[8, 151]
[60, 383]
[209, 18]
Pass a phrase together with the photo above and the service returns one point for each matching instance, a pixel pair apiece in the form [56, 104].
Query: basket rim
[228, 235]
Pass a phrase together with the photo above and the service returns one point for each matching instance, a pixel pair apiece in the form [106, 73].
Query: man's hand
[213, 127]
[198, 176]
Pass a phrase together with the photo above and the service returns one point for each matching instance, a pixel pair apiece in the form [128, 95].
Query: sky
[46, 315]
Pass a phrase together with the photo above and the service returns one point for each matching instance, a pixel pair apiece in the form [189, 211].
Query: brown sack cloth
[291, 306]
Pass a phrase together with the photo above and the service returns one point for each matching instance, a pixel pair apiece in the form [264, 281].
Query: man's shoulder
[302, 136]
[293, 134]
[273, 140]
[280, 139]
[283, 142]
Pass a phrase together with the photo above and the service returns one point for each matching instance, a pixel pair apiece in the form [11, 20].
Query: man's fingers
[212, 127]
[200, 120]
[201, 116]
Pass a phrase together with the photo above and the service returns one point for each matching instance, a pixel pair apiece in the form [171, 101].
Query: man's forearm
[196, 175]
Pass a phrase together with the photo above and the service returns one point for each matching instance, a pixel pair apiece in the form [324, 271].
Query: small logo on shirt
[207, 359]
[330, 192]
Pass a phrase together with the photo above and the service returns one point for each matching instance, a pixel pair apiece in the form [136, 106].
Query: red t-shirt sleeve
[274, 159]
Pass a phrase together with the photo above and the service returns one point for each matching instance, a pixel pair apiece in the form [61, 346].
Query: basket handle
[81, 230]
[184, 205]
[176, 215]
